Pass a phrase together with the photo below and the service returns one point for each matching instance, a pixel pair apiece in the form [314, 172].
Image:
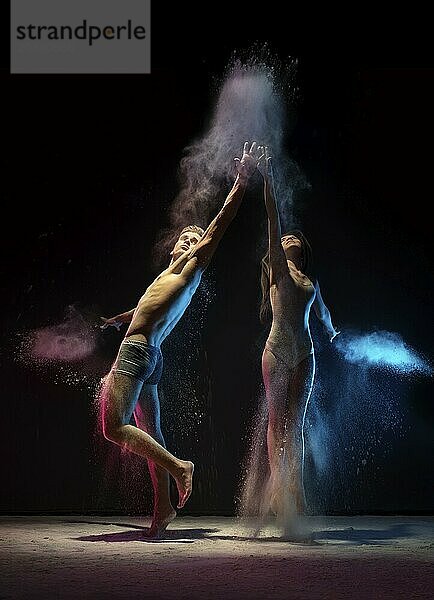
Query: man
[131, 386]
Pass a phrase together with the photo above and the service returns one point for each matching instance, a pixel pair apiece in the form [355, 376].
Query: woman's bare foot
[276, 496]
[184, 481]
[276, 503]
[160, 521]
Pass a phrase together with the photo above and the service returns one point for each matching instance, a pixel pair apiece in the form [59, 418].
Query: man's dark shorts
[139, 360]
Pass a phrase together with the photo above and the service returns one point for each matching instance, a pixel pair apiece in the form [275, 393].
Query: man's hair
[194, 229]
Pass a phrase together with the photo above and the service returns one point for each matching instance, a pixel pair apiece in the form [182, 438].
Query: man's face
[186, 241]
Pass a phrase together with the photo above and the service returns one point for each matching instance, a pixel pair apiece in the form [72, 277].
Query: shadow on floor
[373, 537]
[345, 536]
[138, 534]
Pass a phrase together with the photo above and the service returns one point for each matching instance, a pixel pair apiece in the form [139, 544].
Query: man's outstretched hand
[246, 165]
[110, 323]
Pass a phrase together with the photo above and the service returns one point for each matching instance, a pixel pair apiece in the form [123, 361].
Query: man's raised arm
[205, 248]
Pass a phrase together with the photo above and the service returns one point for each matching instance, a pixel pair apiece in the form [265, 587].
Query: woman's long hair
[265, 312]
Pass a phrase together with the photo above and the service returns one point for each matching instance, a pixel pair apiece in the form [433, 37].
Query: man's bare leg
[164, 513]
[119, 396]
[147, 416]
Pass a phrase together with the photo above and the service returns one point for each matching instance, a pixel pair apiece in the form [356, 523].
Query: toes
[183, 498]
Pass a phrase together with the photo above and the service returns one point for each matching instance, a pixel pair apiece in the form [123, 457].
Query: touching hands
[246, 166]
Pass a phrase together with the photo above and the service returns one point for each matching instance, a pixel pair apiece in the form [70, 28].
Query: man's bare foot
[184, 482]
[160, 521]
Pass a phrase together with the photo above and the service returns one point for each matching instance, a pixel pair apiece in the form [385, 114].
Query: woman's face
[292, 248]
[290, 241]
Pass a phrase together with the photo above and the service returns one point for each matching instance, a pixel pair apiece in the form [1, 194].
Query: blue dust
[383, 349]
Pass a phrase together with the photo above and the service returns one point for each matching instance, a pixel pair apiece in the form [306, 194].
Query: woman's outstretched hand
[265, 167]
[247, 164]
[333, 334]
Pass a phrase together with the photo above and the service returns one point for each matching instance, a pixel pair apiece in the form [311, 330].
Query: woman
[288, 362]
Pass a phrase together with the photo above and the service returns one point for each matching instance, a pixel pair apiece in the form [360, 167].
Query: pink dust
[70, 341]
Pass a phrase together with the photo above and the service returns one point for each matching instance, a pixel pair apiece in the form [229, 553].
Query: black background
[89, 171]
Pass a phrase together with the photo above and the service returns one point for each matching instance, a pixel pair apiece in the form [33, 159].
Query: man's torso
[164, 302]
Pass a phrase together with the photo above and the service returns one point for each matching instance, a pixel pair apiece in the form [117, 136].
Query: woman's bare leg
[120, 394]
[299, 391]
[147, 416]
[276, 377]
[288, 392]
